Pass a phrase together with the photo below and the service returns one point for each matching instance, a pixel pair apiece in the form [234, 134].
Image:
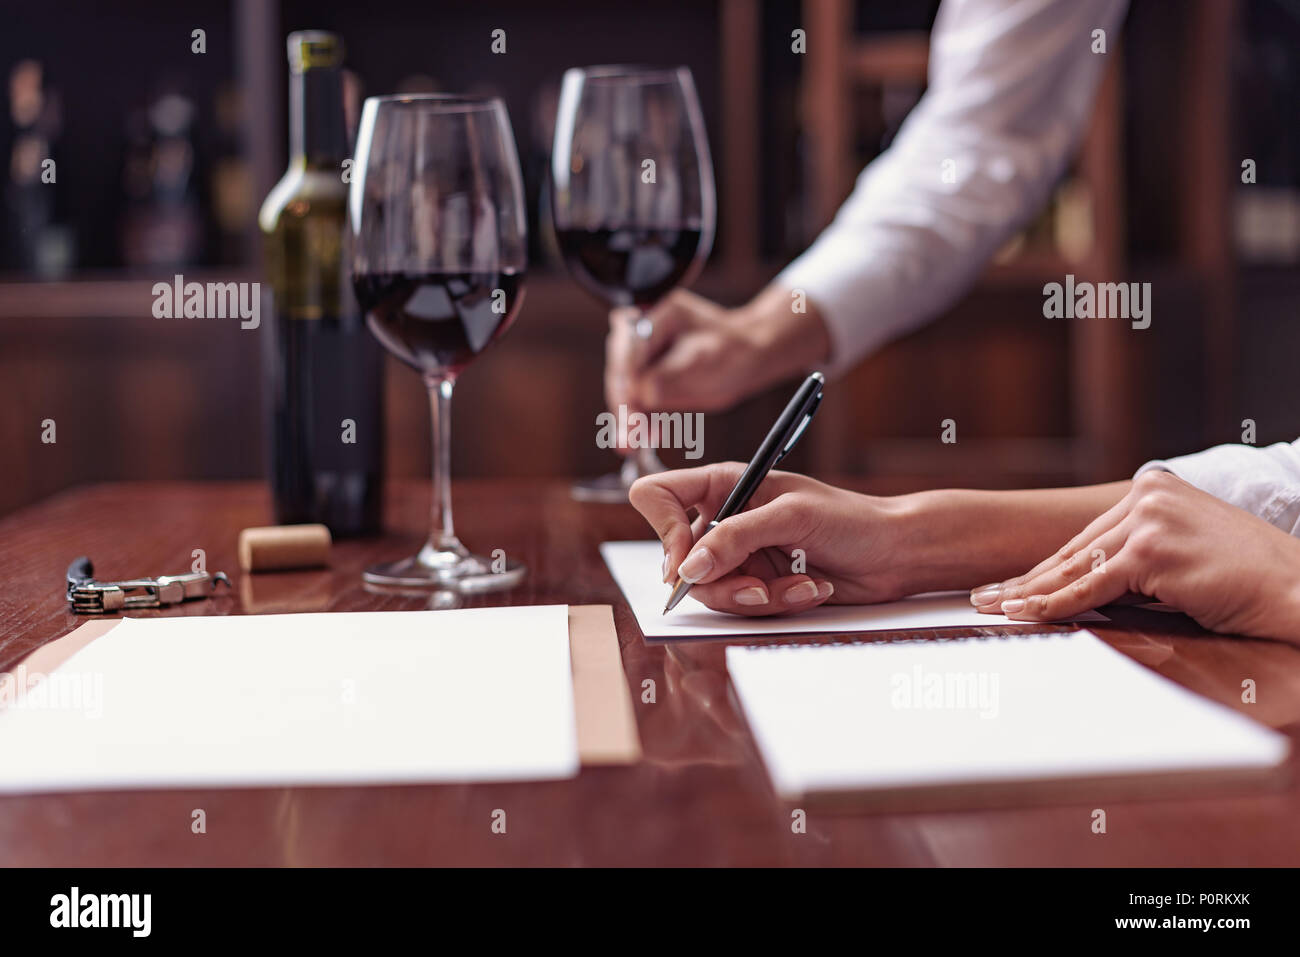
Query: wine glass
[633, 203]
[439, 251]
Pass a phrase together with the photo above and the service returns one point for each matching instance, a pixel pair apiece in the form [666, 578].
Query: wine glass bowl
[633, 203]
[439, 254]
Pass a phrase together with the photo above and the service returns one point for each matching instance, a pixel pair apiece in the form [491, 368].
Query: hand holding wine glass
[439, 248]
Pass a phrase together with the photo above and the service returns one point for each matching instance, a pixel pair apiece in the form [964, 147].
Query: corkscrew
[90, 597]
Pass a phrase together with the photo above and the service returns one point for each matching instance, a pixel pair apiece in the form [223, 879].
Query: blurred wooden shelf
[1270, 279]
[891, 58]
[109, 295]
[1030, 269]
[102, 295]
[980, 462]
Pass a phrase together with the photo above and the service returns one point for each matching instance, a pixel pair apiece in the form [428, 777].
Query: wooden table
[699, 796]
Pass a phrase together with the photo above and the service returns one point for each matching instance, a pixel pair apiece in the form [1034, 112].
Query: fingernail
[985, 594]
[825, 589]
[697, 565]
[667, 565]
[1013, 606]
[751, 595]
[800, 593]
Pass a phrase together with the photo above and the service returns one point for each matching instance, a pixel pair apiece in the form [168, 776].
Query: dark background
[1156, 195]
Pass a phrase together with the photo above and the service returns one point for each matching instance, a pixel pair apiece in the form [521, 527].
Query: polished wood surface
[698, 797]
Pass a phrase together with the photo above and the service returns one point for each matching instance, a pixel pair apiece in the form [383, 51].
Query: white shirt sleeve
[1011, 84]
[1263, 481]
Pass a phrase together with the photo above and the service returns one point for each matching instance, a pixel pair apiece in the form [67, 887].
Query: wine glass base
[608, 489]
[467, 574]
[612, 489]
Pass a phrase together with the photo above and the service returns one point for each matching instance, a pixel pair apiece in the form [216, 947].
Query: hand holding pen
[653, 496]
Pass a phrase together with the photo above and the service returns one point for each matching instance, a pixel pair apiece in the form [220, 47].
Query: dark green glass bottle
[324, 371]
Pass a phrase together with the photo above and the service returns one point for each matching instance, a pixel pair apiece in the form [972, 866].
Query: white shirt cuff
[1263, 481]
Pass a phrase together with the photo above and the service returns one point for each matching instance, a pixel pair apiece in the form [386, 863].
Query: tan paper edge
[602, 704]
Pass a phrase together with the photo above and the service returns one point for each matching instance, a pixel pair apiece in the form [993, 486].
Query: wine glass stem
[442, 534]
[646, 462]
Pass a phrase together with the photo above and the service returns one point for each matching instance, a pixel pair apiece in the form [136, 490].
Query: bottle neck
[317, 138]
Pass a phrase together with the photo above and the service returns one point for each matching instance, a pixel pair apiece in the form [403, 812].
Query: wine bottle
[324, 375]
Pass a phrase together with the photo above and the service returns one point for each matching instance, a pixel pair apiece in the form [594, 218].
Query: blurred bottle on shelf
[162, 225]
[1267, 225]
[230, 187]
[1267, 81]
[35, 241]
[536, 159]
[353, 93]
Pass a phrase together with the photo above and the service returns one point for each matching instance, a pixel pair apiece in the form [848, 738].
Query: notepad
[637, 567]
[906, 717]
[344, 698]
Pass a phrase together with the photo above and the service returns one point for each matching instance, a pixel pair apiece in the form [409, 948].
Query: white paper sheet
[885, 715]
[637, 567]
[345, 698]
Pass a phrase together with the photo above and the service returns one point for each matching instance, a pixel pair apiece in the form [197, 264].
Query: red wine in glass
[439, 322]
[630, 266]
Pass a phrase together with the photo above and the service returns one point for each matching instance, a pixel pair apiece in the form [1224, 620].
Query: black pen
[780, 440]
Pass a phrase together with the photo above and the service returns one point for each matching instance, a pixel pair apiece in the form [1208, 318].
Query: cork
[279, 547]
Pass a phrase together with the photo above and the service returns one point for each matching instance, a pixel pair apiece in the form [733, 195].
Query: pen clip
[798, 433]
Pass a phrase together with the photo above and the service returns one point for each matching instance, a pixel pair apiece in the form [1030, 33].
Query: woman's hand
[848, 543]
[1169, 541]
